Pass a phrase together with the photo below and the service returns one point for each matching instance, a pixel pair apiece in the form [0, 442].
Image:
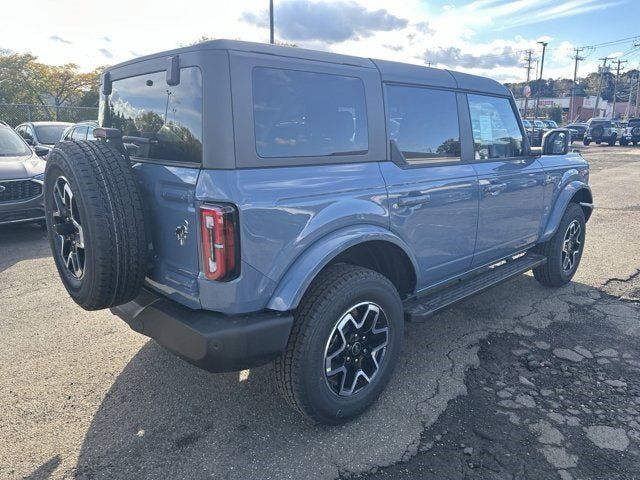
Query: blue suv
[248, 203]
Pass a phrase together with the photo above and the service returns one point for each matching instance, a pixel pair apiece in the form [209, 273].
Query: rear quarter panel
[282, 212]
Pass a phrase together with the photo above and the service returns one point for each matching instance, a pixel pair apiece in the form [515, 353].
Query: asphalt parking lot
[519, 382]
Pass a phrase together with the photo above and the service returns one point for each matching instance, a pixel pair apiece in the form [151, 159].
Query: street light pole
[535, 115]
[271, 39]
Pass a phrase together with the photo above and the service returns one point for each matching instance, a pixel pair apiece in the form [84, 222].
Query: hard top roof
[389, 71]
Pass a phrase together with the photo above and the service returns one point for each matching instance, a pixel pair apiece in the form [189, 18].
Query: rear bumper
[209, 340]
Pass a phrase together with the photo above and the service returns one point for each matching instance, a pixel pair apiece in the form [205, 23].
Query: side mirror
[30, 142]
[556, 142]
[41, 151]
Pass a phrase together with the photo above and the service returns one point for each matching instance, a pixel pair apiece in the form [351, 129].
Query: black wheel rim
[66, 223]
[571, 246]
[356, 349]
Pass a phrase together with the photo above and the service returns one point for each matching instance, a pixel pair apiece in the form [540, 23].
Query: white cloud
[410, 31]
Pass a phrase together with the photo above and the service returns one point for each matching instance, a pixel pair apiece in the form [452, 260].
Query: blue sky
[486, 37]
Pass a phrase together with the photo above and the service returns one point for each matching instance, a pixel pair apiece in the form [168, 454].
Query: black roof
[389, 71]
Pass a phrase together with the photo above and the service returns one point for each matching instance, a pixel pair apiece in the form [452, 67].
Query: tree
[555, 114]
[24, 80]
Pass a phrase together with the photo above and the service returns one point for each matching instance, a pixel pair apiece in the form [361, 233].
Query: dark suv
[43, 135]
[21, 179]
[249, 203]
[631, 133]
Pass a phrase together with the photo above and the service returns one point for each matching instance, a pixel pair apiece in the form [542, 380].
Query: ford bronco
[602, 130]
[248, 203]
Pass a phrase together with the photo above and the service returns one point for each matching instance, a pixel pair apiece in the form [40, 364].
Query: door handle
[495, 188]
[414, 200]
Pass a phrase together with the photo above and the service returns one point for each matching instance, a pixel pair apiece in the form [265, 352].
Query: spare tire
[95, 223]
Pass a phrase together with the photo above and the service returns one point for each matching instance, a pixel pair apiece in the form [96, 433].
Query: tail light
[220, 246]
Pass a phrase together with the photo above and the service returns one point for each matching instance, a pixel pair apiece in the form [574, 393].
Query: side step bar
[420, 308]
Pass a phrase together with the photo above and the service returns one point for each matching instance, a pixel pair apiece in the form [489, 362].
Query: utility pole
[604, 67]
[635, 111]
[271, 39]
[528, 67]
[577, 58]
[615, 89]
[535, 115]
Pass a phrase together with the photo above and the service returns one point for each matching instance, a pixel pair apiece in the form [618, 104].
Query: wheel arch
[368, 246]
[574, 192]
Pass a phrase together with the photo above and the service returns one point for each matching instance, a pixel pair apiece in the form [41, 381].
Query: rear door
[162, 126]
[433, 196]
[511, 182]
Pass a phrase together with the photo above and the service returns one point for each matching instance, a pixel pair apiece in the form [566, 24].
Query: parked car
[291, 223]
[535, 136]
[631, 133]
[602, 130]
[42, 134]
[21, 179]
[80, 131]
[577, 130]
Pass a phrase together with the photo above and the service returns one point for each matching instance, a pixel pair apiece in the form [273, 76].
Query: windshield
[538, 123]
[551, 123]
[11, 145]
[526, 123]
[50, 134]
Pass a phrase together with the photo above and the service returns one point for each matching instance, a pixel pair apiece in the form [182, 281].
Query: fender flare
[564, 198]
[304, 269]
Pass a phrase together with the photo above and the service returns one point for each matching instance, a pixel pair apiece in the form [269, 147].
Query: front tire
[612, 141]
[624, 142]
[564, 250]
[344, 346]
[586, 142]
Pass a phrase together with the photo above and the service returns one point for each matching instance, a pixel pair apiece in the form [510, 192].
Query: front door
[433, 196]
[511, 183]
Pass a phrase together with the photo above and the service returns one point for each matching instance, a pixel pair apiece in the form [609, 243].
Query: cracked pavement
[518, 382]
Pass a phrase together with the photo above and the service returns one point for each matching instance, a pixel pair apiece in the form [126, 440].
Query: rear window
[163, 122]
[50, 134]
[306, 114]
[424, 123]
[634, 123]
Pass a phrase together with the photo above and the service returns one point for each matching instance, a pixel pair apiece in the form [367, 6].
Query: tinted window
[303, 114]
[79, 133]
[496, 133]
[11, 145]
[164, 122]
[50, 134]
[634, 123]
[424, 123]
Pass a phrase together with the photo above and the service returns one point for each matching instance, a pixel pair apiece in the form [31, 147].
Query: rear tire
[624, 142]
[554, 272]
[612, 141]
[586, 142]
[95, 223]
[316, 346]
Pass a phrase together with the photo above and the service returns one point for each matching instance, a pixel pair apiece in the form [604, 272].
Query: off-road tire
[612, 140]
[624, 142]
[635, 143]
[551, 274]
[586, 142]
[111, 214]
[299, 371]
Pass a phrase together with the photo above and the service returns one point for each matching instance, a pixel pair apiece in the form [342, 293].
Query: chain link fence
[17, 113]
